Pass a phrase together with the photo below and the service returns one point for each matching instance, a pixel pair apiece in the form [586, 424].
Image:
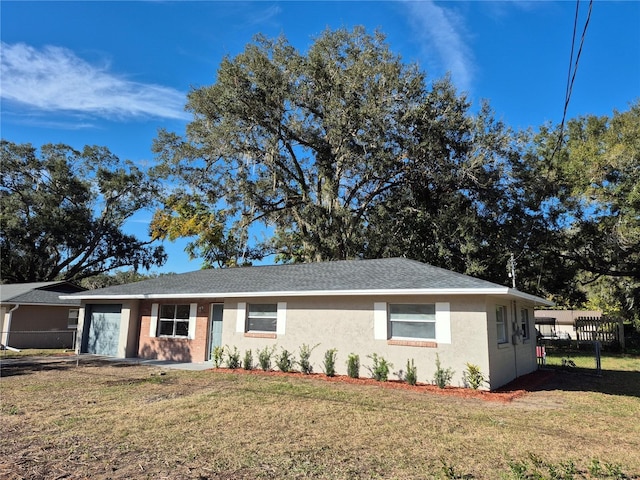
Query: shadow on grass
[27, 365]
[610, 382]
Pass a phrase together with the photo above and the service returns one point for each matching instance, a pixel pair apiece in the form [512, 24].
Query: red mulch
[518, 388]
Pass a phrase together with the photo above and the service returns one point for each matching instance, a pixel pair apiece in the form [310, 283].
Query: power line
[573, 68]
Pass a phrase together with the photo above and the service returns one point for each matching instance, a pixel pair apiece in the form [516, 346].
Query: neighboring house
[32, 315]
[397, 308]
[561, 324]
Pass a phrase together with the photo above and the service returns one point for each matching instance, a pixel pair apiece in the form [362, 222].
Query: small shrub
[473, 377]
[380, 368]
[353, 365]
[233, 358]
[247, 363]
[329, 363]
[411, 377]
[217, 356]
[595, 469]
[614, 470]
[305, 354]
[264, 358]
[442, 377]
[285, 361]
[518, 470]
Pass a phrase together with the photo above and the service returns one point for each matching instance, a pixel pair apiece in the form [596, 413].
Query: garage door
[104, 330]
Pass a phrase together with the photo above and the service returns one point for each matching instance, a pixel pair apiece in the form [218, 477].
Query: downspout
[514, 338]
[6, 338]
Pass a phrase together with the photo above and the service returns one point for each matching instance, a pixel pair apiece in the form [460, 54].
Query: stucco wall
[347, 324]
[46, 327]
[517, 356]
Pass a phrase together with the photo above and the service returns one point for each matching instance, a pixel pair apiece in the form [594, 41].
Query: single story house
[397, 308]
[32, 315]
[561, 324]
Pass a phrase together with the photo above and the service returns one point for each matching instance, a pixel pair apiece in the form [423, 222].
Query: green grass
[608, 361]
[127, 421]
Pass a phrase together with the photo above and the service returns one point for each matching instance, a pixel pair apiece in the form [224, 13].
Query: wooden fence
[607, 331]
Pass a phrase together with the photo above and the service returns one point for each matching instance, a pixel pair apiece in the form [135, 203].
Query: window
[262, 317]
[501, 323]
[524, 319]
[72, 320]
[412, 321]
[174, 321]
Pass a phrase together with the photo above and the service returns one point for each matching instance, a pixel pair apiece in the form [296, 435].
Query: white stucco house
[397, 308]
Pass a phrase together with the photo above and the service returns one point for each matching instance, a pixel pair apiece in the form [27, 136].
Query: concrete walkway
[87, 358]
[165, 363]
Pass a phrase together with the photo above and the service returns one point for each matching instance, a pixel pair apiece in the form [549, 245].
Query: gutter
[313, 293]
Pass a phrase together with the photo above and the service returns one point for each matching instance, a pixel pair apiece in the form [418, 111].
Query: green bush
[473, 377]
[380, 368]
[233, 358]
[353, 365]
[442, 377]
[217, 356]
[329, 363]
[411, 377]
[264, 358]
[247, 363]
[285, 361]
[305, 354]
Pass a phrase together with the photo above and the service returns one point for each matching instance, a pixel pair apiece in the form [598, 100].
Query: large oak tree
[62, 213]
[342, 152]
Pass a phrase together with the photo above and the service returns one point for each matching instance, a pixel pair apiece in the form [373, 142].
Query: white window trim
[443, 322]
[502, 341]
[281, 318]
[193, 314]
[382, 323]
[153, 324]
[277, 317]
[241, 315]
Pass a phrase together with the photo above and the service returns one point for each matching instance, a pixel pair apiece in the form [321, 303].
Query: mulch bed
[518, 388]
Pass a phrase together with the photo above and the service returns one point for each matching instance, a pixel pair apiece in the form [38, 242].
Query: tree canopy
[592, 202]
[342, 152]
[345, 151]
[62, 213]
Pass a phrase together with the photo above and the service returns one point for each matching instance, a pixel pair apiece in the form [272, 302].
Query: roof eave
[318, 293]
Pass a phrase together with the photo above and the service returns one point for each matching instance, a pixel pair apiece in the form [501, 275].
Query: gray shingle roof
[391, 274]
[38, 293]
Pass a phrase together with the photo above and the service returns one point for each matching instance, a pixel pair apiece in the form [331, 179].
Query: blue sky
[112, 73]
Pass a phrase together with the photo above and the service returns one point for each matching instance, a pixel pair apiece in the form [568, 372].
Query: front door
[215, 327]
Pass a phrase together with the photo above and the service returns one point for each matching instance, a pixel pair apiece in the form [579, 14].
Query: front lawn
[117, 421]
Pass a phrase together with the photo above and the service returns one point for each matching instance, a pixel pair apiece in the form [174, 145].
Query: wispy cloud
[442, 31]
[263, 16]
[54, 79]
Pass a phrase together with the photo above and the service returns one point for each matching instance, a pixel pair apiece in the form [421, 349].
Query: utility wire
[573, 68]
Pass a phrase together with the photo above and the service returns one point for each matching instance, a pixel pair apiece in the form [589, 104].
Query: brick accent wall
[174, 349]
